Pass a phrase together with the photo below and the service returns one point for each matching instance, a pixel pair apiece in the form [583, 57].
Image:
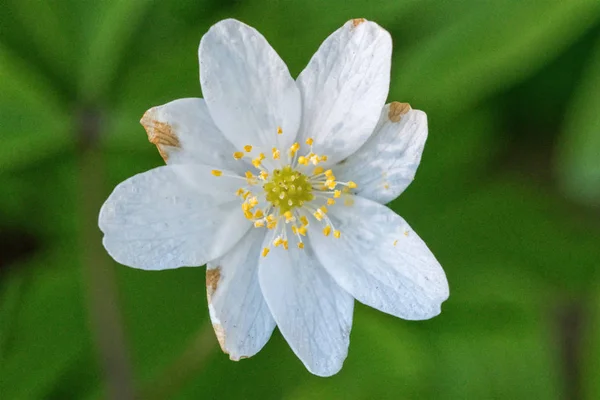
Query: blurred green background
[507, 197]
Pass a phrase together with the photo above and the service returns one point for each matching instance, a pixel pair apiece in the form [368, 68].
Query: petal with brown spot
[159, 133]
[397, 110]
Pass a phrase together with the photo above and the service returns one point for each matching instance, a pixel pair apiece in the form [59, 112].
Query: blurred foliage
[507, 197]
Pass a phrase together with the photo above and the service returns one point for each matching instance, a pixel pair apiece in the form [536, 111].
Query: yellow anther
[259, 214]
[285, 244]
[247, 148]
[406, 233]
[238, 154]
[323, 158]
[352, 185]
[302, 230]
[289, 216]
[337, 234]
[249, 175]
[264, 175]
[261, 156]
[304, 220]
[265, 251]
[318, 215]
[309, 141]
[302, 160]
[271, 221]
[327, 230]
[323, 209]
[330, 184]
[253, 201]
[245, 196]
[239, 192]
[248, 215]
[328, 173]
[294, 229]
[330, 202]
[337, 193]
[245, 206]
[395, 242]
[300, 245]
[279, 130]
[318, 171]
[276, 153]
[216, 172]
[256, 162]
[259, 224]
[277, 242]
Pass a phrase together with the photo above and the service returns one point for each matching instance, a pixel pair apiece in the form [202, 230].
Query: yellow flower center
[288, 189]
[290, 197]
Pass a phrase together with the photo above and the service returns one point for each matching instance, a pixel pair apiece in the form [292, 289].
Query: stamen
[309, 141]
[265, 251]
[247, 148]
[238, 155]
[289, 217]
[216, 172]
[337, 234]
[279, 130]
[300, 245]
[327, 230]
[351, 185]
[276, 153]
[319, 215]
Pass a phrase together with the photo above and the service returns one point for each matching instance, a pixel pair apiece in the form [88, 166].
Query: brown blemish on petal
[159, 133]
[212, 281]
[357, 21]
[397, 110]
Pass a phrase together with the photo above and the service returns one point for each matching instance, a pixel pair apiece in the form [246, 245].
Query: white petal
[386, 164]
[172, 216]
[312, 312]
[240, 316]
[247, 87]
[344, 88]
[381, 261]
[184, 133]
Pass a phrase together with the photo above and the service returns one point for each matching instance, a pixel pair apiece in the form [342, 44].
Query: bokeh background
[507, 197]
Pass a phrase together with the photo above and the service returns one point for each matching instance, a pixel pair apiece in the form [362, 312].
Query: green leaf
[35, 124]
[578, 166]
[47, 330]
[489, 47]
[109, 35]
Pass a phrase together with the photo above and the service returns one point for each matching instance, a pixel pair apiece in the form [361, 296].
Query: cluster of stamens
[291, 192]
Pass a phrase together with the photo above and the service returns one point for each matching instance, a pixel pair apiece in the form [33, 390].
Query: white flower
[278, 186]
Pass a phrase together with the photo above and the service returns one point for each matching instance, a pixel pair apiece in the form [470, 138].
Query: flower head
[278, 187]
